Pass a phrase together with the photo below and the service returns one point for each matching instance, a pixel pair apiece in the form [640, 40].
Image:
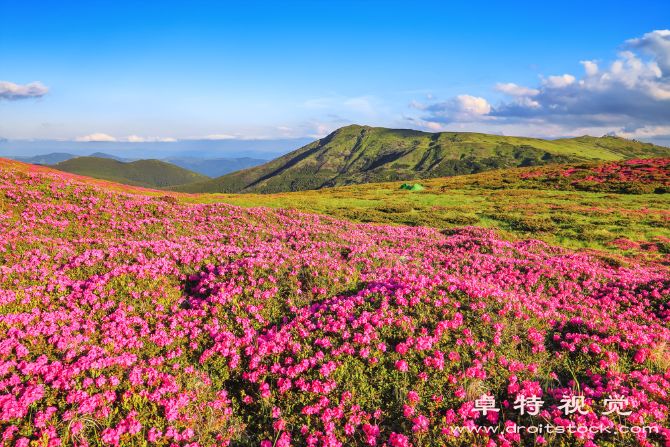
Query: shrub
[596, 236]
[612, 261]
[563, 218]
[462, 220]
[638, 188]
[394, 208]
[535, 225]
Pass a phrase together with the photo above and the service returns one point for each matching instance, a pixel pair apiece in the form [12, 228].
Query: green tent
[405, 186]
[416, 187]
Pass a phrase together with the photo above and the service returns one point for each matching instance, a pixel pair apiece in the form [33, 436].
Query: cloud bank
[630, 96]
[129, 139]
[13, 92]
[461, 109]
[212, 137]
[96, 137]
[136, 139]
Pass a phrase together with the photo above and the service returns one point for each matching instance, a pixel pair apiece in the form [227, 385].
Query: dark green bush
[563, 218]
[535, 225]
[612, 261]
[462, 220]
[395, 208]
[638, 188]
[596, 236]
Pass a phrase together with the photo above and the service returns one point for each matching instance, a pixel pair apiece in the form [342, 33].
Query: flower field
[132, 320]
[627, 177]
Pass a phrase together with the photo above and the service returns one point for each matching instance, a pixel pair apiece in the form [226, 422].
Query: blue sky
[163, 71]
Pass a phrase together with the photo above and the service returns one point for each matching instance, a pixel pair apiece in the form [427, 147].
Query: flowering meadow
[621, 208]
[136, 320]
[635, 176]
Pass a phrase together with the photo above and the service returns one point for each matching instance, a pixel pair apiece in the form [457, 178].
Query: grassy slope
[362, 154]
[583, 215]
[581, 219]
[143, 173]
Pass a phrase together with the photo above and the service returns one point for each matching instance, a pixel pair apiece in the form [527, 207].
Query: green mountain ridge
[361, 154]
[143, 173]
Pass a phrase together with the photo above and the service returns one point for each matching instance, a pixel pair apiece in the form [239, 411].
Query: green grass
[562, 218]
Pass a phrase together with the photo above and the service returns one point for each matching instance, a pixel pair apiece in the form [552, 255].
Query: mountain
[362, 154]
[114, 157]
[211, 167]
[214, 167]
[47, 159]
[145, 173]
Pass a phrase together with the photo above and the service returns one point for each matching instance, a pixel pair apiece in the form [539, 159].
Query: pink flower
[398, 440]
[413, 397]
[154, 434]
[371, 431]
[420, 424]
[401, 365]
[641, 355]
[265, 390]
[284, 440]
[279, 425]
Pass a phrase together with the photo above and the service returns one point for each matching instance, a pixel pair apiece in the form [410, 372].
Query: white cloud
[522, 95]
[462, 108]
[558, 81]
[12, 92]
[646, 132]
[632, 93]
[315, 129]
[284, 128]
[515, 90]
[418, 105]
[96, 137]
[656, 44]
[591, 67]
[630, 96]
[136, 139]
[212, 137]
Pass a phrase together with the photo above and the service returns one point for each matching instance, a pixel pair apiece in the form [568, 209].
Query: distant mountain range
[214, 167]
[362, 154]
[211, 167]
[144, 173]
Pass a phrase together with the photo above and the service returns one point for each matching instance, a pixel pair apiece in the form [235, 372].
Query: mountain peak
[356, 154]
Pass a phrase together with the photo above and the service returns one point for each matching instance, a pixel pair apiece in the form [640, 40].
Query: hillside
[127, 320]
[113, 157]
[144, 173]
[47, 159]
[361, 154]
[210, 167]
[616, 207]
